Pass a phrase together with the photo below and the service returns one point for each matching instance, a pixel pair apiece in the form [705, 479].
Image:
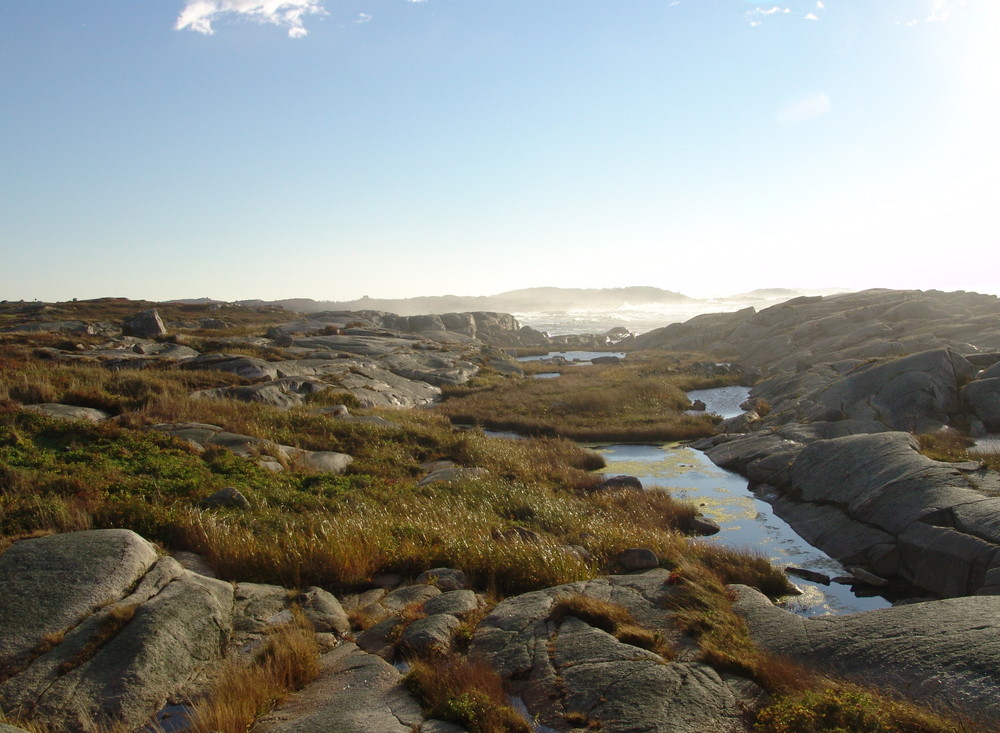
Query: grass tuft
[466, 692]
[244, 691]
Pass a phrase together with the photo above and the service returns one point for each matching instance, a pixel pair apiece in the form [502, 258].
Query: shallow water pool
[746, 520]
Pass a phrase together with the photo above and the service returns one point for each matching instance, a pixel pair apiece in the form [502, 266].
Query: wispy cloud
[803, 110]
[754, 16]
[363, 18]
[768, 11]
[198, 15]
[811, 16]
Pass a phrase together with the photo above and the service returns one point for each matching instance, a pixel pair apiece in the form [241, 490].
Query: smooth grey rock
[157, 632]
[409, 595]
[195, 563]
[355, 693]
[944, 653]
[456, 603]
[325, 461]
[381, 638]
[324, 610]
[430, 635]
[615, 483]
[704, 526]
[68, 412]
[50, 584]
[255, 604]
[982, 398]
[573, 667]
[230, 497]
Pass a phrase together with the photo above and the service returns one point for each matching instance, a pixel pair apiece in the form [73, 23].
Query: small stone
[620, 482]
[227, 497]
[704, 526]
[863, 576]
[808, 575]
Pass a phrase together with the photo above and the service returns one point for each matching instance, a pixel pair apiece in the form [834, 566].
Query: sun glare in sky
[330, 149]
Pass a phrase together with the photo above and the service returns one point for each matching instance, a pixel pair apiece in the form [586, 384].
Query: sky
[332, 149]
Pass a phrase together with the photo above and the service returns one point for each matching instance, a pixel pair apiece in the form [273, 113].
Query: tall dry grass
[246, 689]
[628, 402]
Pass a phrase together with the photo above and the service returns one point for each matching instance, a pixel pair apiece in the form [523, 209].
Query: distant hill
[526, 300]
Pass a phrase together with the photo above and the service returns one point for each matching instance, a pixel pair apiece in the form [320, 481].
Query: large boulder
[94, 627]
[146, 324]
[982, 399]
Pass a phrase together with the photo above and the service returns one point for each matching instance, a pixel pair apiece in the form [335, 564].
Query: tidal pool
[577, 357]
[747, 521]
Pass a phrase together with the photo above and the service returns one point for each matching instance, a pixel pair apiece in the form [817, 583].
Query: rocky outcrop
[871, 499]
[815, 330]
[97, 629]
[921, 392]
[944, 653]
[94, 627]
[571, 674]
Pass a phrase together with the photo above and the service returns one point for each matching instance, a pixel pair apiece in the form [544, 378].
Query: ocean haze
[559, 311]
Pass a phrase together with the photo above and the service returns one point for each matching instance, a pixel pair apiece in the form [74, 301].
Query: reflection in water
[582, 357]
[723, 401]
[746, 520]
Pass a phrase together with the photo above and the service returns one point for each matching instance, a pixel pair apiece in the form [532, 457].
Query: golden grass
[244, 691]
[640, 400]
[464, 691]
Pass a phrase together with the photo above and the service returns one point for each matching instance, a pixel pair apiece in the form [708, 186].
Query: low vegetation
[640, 400]
[803, 700]
[466, 692]
[840, 707]
[951, 445]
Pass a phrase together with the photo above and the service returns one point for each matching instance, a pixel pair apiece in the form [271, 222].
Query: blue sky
[316, 148]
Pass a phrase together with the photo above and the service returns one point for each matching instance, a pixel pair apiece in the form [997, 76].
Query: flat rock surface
[356, 692]
[945, 653]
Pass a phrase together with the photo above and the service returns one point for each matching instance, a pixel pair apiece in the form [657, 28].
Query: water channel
[747, 520]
